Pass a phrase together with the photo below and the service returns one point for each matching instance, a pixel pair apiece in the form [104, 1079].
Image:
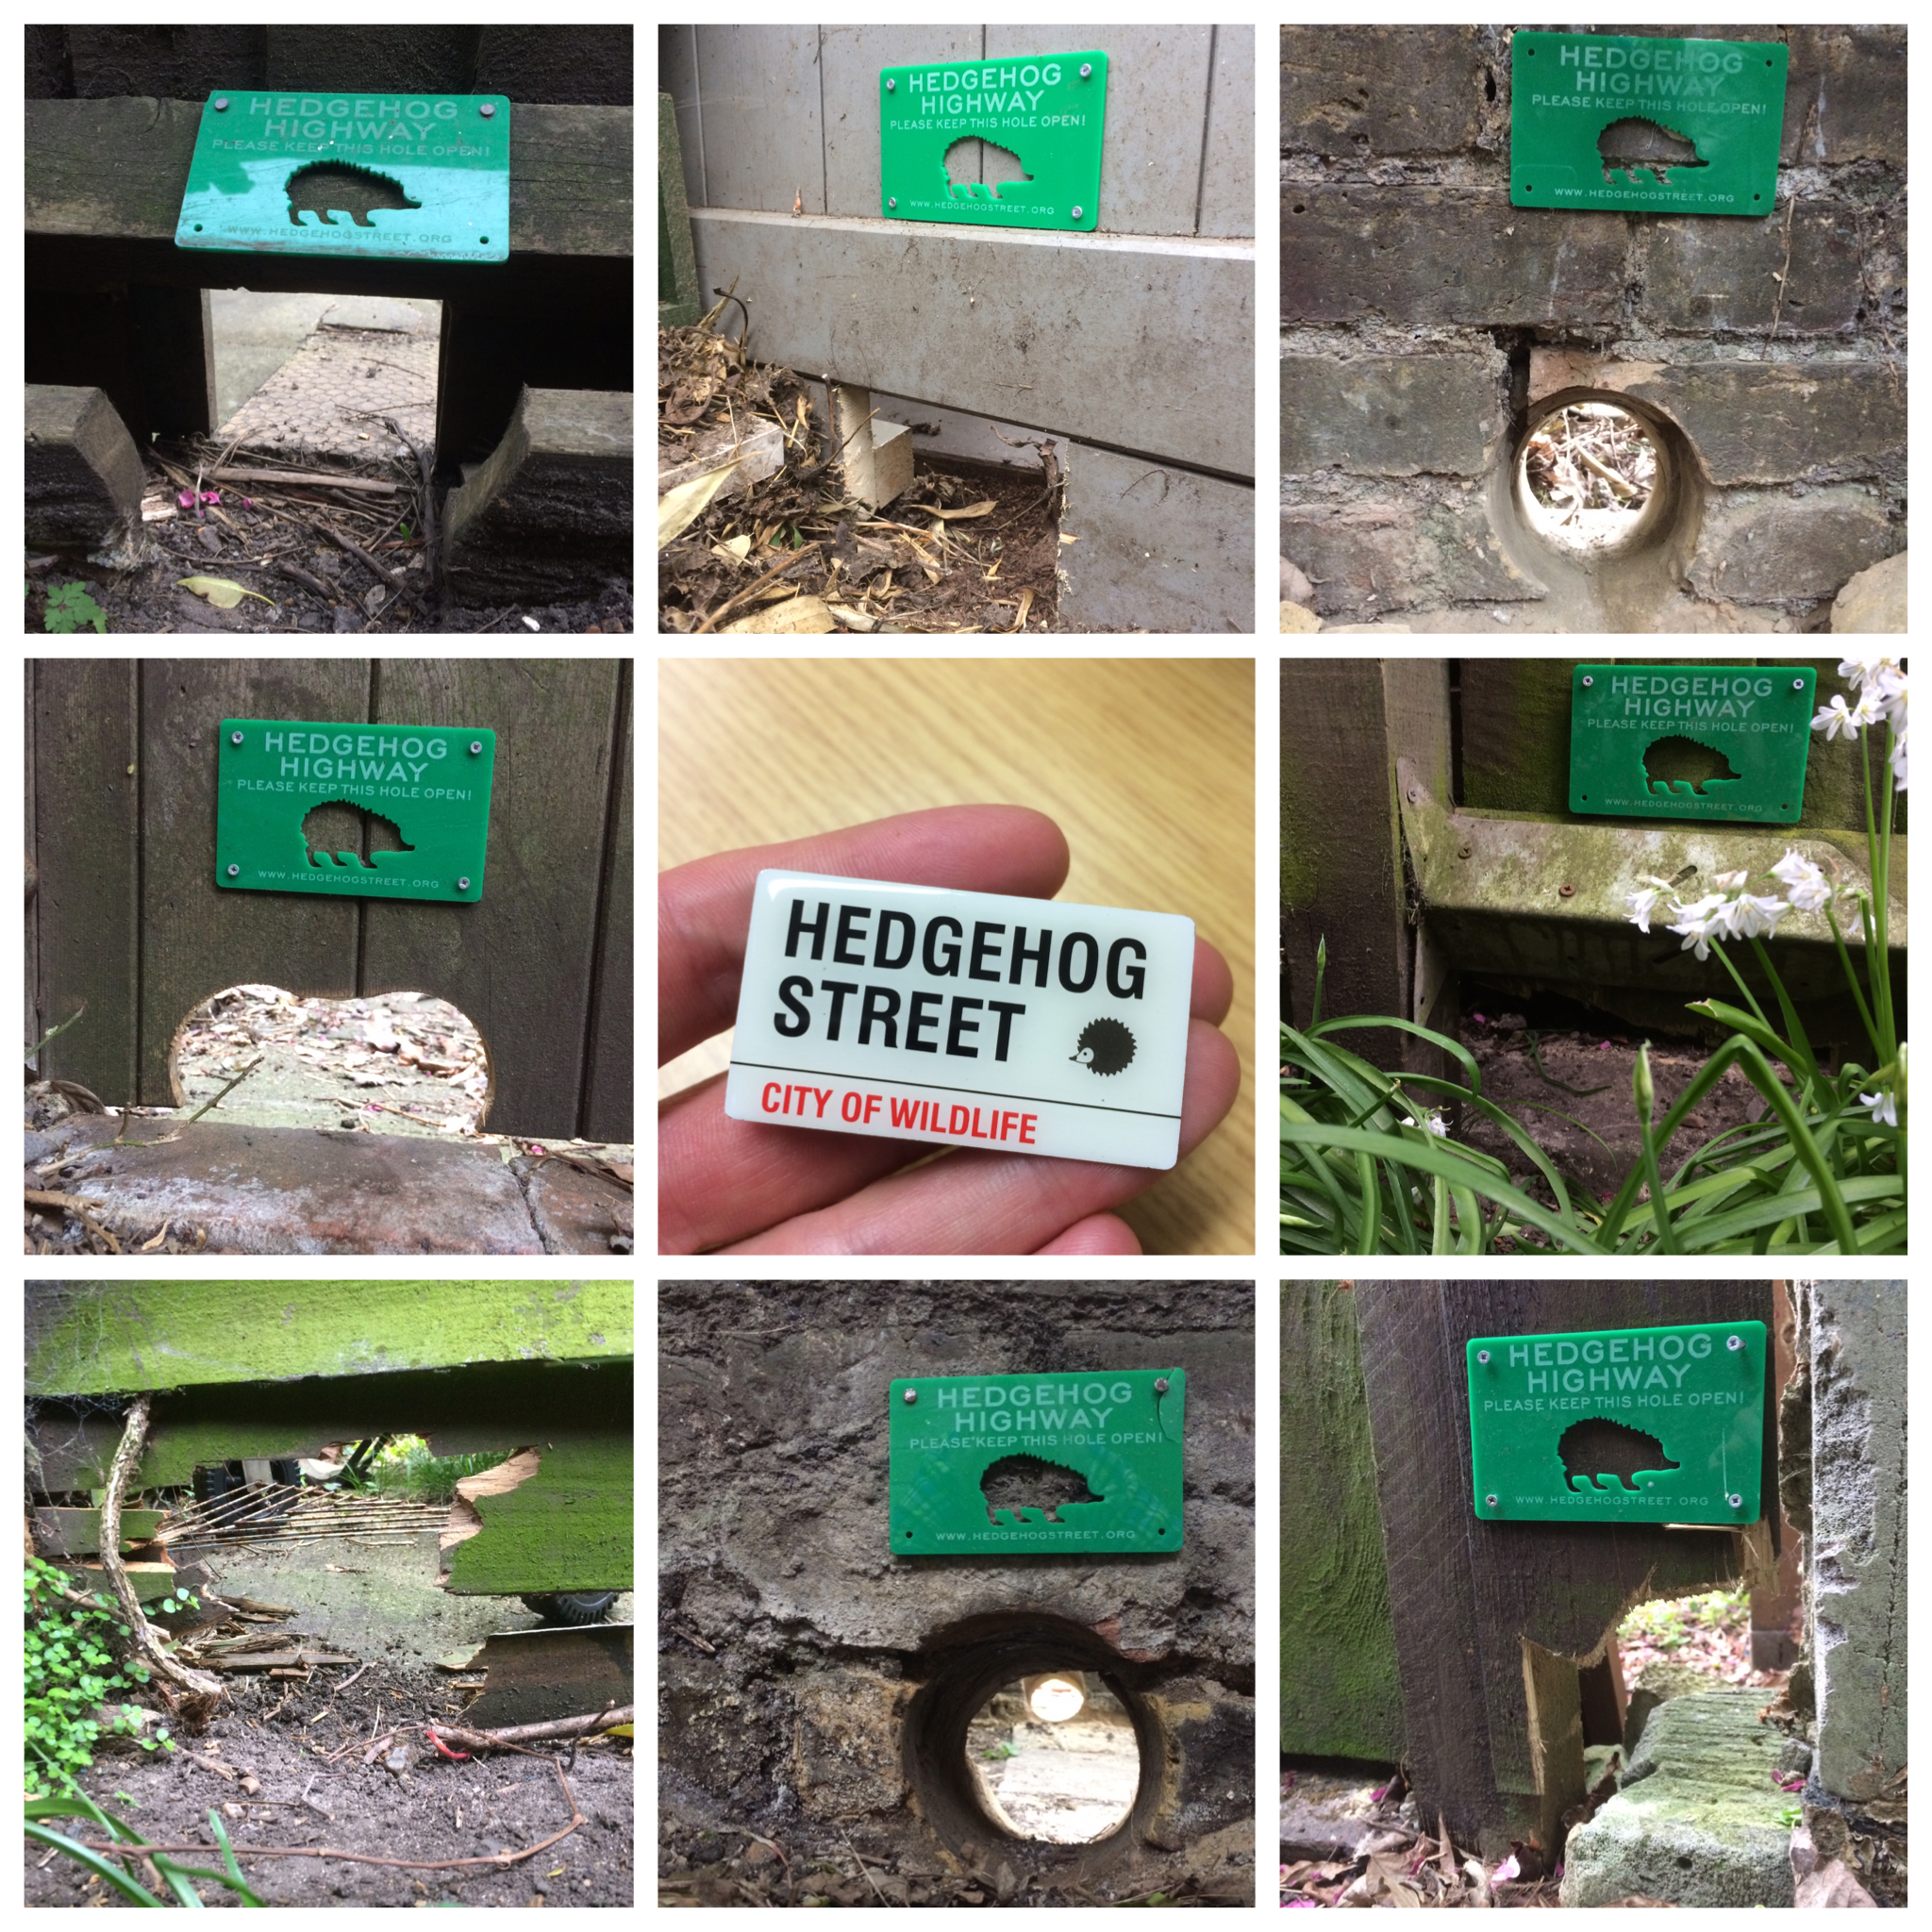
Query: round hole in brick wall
[1586, 476]
[986, 1689]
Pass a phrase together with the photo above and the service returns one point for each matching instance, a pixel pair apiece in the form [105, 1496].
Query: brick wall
[1424, 317]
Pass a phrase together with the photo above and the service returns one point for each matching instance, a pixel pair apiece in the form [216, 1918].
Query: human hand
[742, 1187]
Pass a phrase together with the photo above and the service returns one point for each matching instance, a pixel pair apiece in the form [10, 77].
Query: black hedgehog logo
[1106, 1046]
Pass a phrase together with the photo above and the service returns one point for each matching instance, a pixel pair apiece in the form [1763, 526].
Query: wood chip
[368, 484]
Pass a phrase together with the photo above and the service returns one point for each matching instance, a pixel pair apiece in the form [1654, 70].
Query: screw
[1161, 1385]
[1566, 891]
[463, 885]
[1735, 1343]
[1588, 682]
[1086, 69]
[475, 745]
[234, 872]
[892, 201]
[488, 110]
[222, 106]
[911, 1396]
[1797, 684]
[1736, 1502]
[1463, 851]
[892, 87]
[1079, 212]
[1490, 1501]
[1415, 792]
[1482, 1355]
[234, 738]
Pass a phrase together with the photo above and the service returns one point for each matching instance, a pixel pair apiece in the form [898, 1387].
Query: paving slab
[575, 1211]
[1698, 1820]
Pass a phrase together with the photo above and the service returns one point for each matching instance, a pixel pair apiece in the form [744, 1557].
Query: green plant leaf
[92, 1861]
[70, 607]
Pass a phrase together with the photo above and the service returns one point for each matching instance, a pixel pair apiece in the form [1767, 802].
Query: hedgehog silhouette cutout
[1018, 1484]
[1599, 1453]
[1678, 764]
[1634, 144]
[961, 187]
[322, 858]
[1105, 1047]
[346, 189]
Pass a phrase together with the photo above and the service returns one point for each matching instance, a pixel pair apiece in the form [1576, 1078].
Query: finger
[1099, 1234]
[1212, 990]
[718, 1179]
[704, 909]
[974, 1203]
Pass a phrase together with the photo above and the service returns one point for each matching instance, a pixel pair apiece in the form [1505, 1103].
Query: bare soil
[282, 1734]
[1562, 1122]
[275, 541]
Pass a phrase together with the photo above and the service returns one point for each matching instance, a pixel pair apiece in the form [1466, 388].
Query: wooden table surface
[1146, 764]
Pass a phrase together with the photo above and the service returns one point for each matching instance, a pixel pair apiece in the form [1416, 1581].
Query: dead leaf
[678, 509]
[972, 509]
[796, 616]
[733, 549]
[1025, 604]
[220, 592]
[853, 620]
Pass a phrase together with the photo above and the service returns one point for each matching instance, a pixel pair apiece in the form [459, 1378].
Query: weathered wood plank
[571, 1523]
[31, 1022]
[518, 962]
[116, 170]
[86, 810]
[1466, 1594]
[89, 1338]
[609, 1071]
[78, 1532]
[1341, 1693]
[195, 938]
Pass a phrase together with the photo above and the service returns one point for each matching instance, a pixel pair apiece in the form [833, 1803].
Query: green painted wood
[196, 940]
[520, 963]
[84, 810]
[609, 1076]
[78, 1532]
[1340, 1690]
[112, 172]
[569, 1526]
[1515, 723]
[98, 1338]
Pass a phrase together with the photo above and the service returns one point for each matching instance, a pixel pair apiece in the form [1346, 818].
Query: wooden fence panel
[1515, 714]
[610, 1069]
[1468, 1595]
[86, 787]
[196, 939]
[520, 961]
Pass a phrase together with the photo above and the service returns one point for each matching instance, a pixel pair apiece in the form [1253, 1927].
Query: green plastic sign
[944, 130]
[430, 782]
[1624, 121]
[1690, 741]
[1619, 1424]
[1063, 1462]
[419, 177]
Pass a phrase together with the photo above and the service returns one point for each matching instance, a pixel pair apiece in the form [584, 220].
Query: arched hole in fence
[1587, 473]
[392, 1063]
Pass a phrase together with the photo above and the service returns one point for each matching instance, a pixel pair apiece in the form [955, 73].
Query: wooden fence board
[85, 916]
[195, 938]
[518, 962]
[1466, 1594]
[1340, 1691]
[610, 1060]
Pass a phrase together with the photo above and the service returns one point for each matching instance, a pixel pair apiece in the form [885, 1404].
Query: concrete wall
[1424, 319]
[1132, 344]
[794, 1649]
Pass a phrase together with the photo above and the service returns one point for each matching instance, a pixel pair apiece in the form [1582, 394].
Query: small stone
[1873, 600]
[1297, 618]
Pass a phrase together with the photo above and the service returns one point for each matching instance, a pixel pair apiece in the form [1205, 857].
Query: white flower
[1810, 891]
[1870, 708]
[1755, 918]
[1435, 1123]
[1700, 924]
[1895, 694]
[1641, 904]
[1883, 1107]
[1835, 719]
[1730, 881]
[1859, 672]
[1899, 765]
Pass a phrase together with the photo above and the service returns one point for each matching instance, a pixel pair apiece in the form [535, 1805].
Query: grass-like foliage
[407, 1471]
[177, 1877]
[1367, 1167]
